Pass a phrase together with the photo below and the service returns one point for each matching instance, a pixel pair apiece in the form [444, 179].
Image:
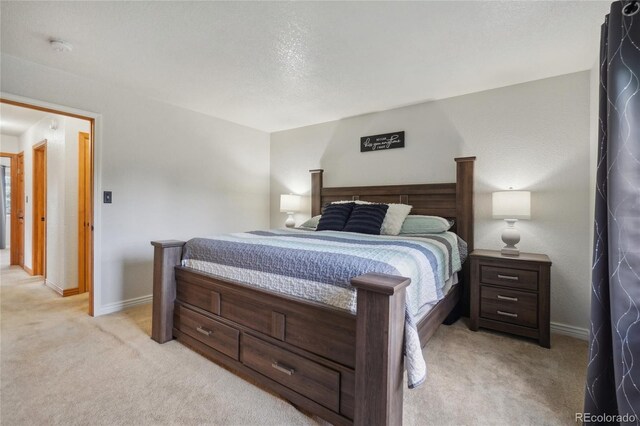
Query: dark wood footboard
[167, 255]
[342, 367]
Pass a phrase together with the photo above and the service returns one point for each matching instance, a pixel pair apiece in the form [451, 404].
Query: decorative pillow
[418, 224]
[396, 214]
[393, 220]
[311, 223]
[366, 218]
[335, 217]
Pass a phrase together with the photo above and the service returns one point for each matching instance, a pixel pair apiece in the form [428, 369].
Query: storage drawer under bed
[212, 333]
[315, 381]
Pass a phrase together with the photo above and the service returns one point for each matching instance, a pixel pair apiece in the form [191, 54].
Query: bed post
[316, 192]
[464, 225]
[167, 255]
[379, 355]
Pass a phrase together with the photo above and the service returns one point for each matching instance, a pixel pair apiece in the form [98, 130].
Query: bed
[343, 364]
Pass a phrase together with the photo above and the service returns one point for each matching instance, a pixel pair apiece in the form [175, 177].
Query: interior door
[18, 187]
[39, 208]
[85, 213]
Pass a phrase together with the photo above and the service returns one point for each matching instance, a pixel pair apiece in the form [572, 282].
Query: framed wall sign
[382, 142]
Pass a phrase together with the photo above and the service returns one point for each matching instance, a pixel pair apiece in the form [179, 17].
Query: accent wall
[533, 136]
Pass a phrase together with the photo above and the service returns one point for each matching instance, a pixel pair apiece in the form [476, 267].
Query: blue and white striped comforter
[318, 266]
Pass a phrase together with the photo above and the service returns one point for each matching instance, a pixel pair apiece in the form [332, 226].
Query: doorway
[39, 245]
[80, 127]
[15, 221]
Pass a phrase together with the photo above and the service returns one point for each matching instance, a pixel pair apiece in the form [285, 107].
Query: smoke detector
[60, 45]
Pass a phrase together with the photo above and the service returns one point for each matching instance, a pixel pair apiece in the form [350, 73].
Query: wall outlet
[107, 198]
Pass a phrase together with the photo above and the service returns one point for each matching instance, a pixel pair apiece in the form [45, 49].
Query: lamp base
[511, 237]
[510, 251]
[291, 222]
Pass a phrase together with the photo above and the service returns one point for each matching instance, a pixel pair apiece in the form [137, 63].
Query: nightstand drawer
[516, 278]
[512, 306]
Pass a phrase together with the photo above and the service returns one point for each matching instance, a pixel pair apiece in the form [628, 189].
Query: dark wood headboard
[451, 200]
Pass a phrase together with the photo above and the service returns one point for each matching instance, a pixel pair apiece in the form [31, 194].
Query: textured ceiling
[281, 65]
[15, 121]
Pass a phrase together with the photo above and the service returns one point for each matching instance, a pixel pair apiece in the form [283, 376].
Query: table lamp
[511, 206]
[289, 204]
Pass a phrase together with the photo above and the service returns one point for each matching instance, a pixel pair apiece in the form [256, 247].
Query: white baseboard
[570, 330]
[53, 286]
[124, 304]
[64, 292]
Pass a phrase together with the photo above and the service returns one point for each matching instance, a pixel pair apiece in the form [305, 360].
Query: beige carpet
[60, 366]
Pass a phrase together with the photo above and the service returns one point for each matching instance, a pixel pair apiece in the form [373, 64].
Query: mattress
[318, 266]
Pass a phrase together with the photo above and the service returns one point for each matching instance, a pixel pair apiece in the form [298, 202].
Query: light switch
[107, 197]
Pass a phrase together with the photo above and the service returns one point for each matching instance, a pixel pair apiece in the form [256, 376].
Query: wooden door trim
[85, 212]
[45, 109]
[39, 247]
[13, 242]
[40, 145]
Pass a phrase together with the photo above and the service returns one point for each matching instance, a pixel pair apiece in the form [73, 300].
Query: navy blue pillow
[334, 217]
[366, 218]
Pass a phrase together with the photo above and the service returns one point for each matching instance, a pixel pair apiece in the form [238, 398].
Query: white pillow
[393, 219]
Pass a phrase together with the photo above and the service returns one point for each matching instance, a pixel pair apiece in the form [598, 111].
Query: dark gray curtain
[613, 377]
[3, 208]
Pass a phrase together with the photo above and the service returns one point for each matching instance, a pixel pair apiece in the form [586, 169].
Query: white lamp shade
[512, 205]
[289, 203]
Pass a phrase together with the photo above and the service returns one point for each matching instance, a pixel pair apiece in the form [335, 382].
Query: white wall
[174, 173]
[9, 144]
[532, 136]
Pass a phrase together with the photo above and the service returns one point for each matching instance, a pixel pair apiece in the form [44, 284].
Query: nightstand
[511, 294]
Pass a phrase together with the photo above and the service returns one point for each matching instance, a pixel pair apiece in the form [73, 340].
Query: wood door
[39, 208]
[18, 189]
[85, 213]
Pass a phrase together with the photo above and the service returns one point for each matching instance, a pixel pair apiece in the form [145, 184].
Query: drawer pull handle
[508, 277]
[286, 370]
[507, 314]
[204, 331]
[510, 299]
